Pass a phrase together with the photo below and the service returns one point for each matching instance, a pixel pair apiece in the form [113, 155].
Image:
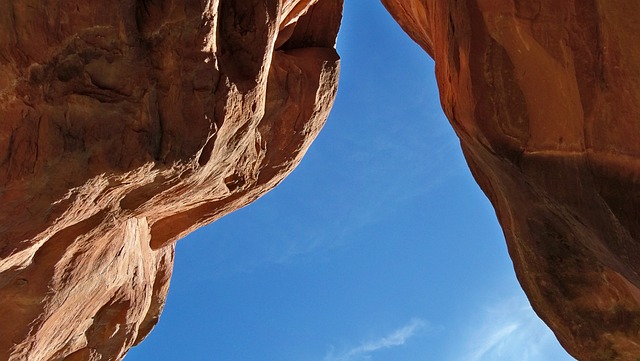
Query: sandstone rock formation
[126, 124]
[545, 97]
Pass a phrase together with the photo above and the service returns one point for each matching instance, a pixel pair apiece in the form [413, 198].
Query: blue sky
[379, 246]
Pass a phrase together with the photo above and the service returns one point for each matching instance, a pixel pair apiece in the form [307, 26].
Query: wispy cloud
[494, 340]
[396, 338]
[510, 330]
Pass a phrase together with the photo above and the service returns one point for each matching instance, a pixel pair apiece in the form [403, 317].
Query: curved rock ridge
[545, 98]
[127, 124]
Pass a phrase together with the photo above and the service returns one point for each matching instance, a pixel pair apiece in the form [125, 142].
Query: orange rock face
[127, 124]
[545, 97]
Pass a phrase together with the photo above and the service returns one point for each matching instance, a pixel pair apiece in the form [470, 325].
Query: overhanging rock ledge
[125, 125]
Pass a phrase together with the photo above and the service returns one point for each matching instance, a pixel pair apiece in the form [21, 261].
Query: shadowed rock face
[545, 97]
[124, 126]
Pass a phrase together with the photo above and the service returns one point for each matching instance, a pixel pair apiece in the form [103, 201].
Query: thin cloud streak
[396, 338]
[498, 337]
[510, 330]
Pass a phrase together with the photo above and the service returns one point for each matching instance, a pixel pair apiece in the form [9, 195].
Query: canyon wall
[545, 98]
[127, 124]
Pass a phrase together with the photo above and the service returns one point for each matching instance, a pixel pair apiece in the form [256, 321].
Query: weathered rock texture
[123, 126]
[545, 97]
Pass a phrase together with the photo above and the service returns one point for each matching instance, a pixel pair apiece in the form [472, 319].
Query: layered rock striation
[127, 124]
[545, 98]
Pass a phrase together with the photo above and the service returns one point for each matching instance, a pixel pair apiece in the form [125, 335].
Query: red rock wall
[545, 97]
[124, 126]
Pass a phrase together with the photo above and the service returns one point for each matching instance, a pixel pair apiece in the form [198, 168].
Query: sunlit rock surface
[545, 97]
[127, 124]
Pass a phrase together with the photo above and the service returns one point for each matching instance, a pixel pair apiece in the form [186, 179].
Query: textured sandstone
[545, 97]
[127, 124]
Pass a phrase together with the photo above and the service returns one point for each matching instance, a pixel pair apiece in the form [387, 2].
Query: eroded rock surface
[545, 97]
[125, 125]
